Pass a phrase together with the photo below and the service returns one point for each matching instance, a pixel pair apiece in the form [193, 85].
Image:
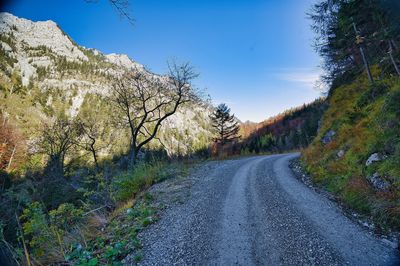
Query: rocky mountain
[44, 72]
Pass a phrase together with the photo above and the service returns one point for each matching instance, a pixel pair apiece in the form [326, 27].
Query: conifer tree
[225, 124]
[351, 35]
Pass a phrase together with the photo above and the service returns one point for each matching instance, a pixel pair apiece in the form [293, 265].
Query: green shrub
[65, 217]
[127, 184]
[49, 237]
[37, 230]
[372, 92]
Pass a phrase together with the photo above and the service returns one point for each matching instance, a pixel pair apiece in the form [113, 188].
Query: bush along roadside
[100, 226]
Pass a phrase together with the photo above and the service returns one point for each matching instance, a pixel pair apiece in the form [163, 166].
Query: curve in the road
[253, 211]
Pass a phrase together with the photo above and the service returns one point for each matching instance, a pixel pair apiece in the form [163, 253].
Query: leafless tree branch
[145, 101]
[121, 6]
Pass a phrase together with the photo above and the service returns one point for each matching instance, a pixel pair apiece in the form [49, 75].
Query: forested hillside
[356, 154]
[291, 130]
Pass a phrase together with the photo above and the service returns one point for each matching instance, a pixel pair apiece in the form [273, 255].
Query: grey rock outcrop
[328, 137]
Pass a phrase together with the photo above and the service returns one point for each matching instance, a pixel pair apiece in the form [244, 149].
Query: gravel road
[253, 211]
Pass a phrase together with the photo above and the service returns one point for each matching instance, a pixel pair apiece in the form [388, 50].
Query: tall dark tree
[225, 124]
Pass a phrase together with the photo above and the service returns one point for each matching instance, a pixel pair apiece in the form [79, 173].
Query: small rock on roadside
[340, 154]
[392, 243]
[377, 182]
[375, 157]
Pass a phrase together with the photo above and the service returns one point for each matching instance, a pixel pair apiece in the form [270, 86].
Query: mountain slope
[356, 154]
[43, 72]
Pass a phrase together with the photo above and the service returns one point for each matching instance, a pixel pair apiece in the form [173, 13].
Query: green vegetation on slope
[366, 120]
[91, 217]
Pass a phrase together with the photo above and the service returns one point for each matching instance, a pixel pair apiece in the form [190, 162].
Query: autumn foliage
[12, 148]
[293, 129]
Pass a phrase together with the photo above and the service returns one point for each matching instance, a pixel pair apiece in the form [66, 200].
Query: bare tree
[57, 139]
[146, 100]
[92, 132]
[92, 120]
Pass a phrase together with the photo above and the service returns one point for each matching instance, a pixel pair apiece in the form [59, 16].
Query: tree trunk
[366, 65]
[27, 256]
[11, 158]
[220, 148]
[364, 58]
[393, 44]
[133, 153]
[93, 150]
[95, 159]
[396, 67]
[55, 167]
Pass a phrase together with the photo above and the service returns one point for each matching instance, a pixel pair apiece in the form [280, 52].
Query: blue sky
[254, 55]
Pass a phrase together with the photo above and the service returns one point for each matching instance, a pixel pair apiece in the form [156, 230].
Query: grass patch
[128, 184]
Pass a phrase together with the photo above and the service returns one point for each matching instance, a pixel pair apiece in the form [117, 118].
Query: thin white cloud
[301, 75]
[306, 78]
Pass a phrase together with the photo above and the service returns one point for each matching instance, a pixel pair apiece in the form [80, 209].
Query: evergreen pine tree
[225, 124]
